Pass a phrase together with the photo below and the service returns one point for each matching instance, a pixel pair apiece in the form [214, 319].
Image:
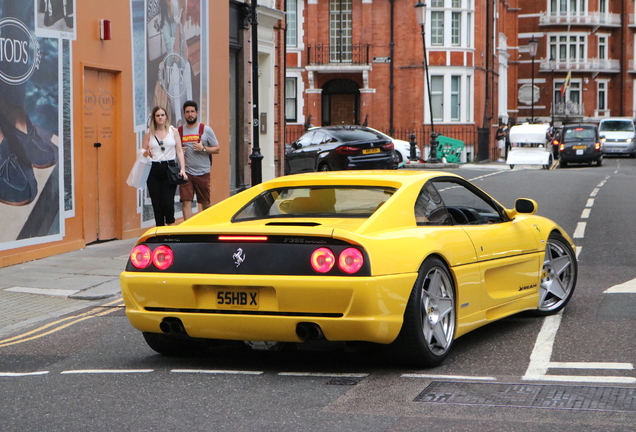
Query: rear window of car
[617, 126]
[579, 133]
[346, 135]
[340, 201]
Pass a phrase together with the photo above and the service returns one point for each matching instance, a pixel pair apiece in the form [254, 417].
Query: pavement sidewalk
[51, 287]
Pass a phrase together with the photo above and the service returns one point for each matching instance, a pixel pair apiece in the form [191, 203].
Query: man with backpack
[199, 144]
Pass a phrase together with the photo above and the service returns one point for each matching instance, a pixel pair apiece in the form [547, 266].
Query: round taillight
[162, 257]
[350, 260]
[140, 256]
[322, 260]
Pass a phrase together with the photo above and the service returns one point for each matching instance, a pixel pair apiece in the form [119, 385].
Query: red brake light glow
[162, 257]
[347, 150]
[243, 238]
[350, 260]
[322, 260]
[388, 147]
[140, 256]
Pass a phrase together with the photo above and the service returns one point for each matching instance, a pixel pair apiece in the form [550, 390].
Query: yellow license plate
[579, 147]
[237, 298]
[371, 151]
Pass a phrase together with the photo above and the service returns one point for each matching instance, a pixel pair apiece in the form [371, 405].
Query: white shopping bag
[140, 170]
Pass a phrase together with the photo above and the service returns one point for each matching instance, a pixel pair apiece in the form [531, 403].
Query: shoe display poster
[169, 61]
[55, 18]
[173, 47]
[30, 94]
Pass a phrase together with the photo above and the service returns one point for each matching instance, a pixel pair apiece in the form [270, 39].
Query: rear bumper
[347, 309]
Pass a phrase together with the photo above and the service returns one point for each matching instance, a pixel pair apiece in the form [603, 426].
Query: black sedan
[335, 148]
[580, 144]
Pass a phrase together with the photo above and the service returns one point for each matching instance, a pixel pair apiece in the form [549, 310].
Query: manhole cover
[530, 396]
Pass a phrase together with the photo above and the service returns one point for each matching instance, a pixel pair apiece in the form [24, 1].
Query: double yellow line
[62, 324]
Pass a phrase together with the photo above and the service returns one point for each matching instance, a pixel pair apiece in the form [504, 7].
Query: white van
[619, 135]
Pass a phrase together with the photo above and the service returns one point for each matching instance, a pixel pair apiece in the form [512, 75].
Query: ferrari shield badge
[238, 257]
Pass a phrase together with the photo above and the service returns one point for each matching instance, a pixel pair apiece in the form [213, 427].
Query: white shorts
[501, 144]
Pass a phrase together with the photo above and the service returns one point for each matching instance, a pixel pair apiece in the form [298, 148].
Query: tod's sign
[19, 52]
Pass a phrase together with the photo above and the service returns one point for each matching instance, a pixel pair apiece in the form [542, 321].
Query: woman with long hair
[163, 145]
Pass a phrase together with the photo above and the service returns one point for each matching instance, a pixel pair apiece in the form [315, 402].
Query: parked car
[335, 148]
[408, 259]
[618, 135]
[580, 144]
[402, 148]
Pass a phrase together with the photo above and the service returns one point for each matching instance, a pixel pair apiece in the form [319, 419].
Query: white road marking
[220, 372]
[590, 202]
[106, 371]
[542, 351]
[628, 287]
[594, 192]
[458, 377]
[22, 374]
[583, 379]
[579, 232]
[321, 374]
[591, 365]
[586, 213]
[43, 291]
[578, 251]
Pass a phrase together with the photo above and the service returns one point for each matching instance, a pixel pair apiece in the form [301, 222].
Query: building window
[292, 23]
[602, 6]
[340, 42]
[455, 98]
[602, 48]
[456, 27]
[291, 100]
[602, 96]
[437, 28]
[437, 97]
[568, 48]
[567, 7]
[451, 21]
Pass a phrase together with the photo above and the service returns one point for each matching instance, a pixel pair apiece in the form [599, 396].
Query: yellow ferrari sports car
[409, 259]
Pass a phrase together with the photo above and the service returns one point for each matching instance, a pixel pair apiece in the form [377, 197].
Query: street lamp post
[256, 157]
[552, 67]
[532, 45]
[420, 13]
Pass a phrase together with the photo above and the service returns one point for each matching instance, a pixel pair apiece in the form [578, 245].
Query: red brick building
[590, 41]
[361, 62]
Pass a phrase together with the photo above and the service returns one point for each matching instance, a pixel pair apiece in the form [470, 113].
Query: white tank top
[169, 152]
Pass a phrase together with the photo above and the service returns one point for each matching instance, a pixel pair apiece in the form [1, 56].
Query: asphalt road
[98, 374]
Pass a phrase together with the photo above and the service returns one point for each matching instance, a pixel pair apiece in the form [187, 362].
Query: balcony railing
[581, 18]
[587, 65]
[355, 55]
[569, 109]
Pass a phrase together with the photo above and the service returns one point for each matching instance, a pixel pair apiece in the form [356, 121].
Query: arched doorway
[340, 102]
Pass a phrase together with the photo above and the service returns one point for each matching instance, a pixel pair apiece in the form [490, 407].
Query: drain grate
[531, 396]
[347, 381]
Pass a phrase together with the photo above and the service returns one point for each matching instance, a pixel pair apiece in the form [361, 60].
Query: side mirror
[526, 206]
[523, 206]
[296, 145]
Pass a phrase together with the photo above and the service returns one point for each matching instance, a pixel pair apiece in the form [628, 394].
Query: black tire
[400, 159]
[175, 346]
[560, 272]
[324, 167]
[563, 164]
[599, 162]
[512, 166]
[428, 329]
